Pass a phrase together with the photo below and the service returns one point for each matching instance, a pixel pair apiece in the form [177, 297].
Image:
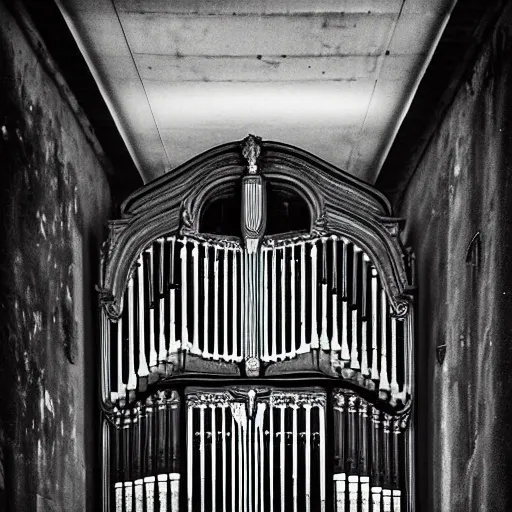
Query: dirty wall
[54, 202]
[458, 208]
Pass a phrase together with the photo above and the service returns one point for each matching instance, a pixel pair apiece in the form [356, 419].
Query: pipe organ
[257, 371]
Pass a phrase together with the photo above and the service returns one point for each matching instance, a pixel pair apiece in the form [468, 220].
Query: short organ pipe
[335, 345]
[184, 295]
[234, 295]
[324, 338]
[206, 287]
[375, 356]
[383, 382]
[143, 371]
[293, 302]
[162, 349]
[266, 347]
[195, 290]
[315, 342]
[345, 353]
[283, 303]
[394, 382]
[216, 304]
[132, 378]
[173, 345]
[274, 306]
[225, 296]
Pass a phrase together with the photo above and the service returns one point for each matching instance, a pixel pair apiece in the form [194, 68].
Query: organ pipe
[216, 303]
[324, 338]
[266, 354]
[293, 301]
[190, 466]
[283, 303]
[214, 457]
[364, 320]
[206, 287]
[308, 459]
[143, 367]
[149, 273]
[224, 463]
[384, 382]
[375, 367]
[195, 287]
[345, 353]
[335, 346]
[282, 460]
[315, 342]
[394, 382]
[354, 353]
[202, 449]
[235, 306]
[303, 344]
[295, 474]
[162, 350]
[274, 305]
[173, 345]
[322, 430]
[271, 456]
[132, 378]
[184, 295]
[225, 262]
[121, 386]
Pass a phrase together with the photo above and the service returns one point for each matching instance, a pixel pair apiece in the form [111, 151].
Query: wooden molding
[338, 203]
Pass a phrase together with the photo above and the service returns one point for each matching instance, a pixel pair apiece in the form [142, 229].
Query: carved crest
[251, 150]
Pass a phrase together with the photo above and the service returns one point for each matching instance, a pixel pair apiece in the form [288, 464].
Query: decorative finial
[251, 150]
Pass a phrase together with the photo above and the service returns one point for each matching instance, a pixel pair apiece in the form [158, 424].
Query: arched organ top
[332, 301]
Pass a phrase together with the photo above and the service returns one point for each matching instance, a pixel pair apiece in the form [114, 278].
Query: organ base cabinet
[257, 341]
[252, 449]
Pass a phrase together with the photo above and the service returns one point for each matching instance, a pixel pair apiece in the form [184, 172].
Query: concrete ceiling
[334, 77]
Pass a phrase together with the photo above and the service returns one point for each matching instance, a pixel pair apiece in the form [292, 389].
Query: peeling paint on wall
[54, 201]
[463, 187]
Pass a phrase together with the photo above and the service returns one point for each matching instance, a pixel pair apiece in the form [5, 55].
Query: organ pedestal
[258, 371]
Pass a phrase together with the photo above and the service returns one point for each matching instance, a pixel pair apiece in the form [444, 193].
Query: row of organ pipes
[145, 455]
[369, 456]
[266, 457]
[323, 293]
[269, 460]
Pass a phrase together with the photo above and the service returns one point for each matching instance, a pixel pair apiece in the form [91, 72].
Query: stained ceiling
[334, 77]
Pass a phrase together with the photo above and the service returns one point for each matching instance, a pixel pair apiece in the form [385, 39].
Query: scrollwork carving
[187, 219]
[402, 307]
[109, 303]
[208, 398]
[338, 398]
[216, 241]
[320, 225]
[300, 399]
[288, 241]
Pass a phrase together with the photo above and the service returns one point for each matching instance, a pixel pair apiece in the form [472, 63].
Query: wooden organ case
[257, 341]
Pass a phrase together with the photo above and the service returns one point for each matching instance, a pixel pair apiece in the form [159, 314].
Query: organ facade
[257, 341]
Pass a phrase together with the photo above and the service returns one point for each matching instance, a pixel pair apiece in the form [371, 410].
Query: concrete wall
[462, 186]
[54, 202]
